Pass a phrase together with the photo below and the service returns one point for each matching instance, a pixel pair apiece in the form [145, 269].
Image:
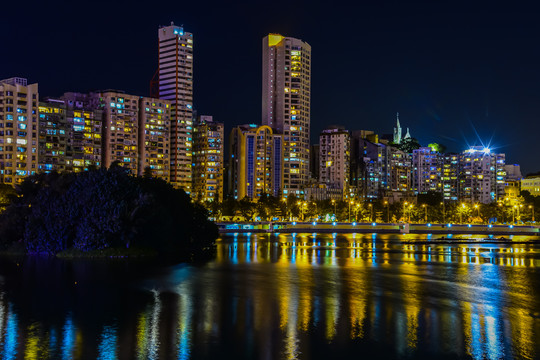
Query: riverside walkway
[382, 228]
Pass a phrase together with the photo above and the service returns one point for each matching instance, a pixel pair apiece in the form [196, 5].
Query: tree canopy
[101, 209]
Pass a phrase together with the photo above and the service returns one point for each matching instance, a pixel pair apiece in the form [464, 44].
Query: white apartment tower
[176, 85]
[18, 130]
[286, 100]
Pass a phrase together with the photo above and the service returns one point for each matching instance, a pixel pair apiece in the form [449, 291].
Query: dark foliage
[102, 209]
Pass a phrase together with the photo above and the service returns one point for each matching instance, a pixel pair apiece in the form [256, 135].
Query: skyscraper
[286, 102]
[176, 84]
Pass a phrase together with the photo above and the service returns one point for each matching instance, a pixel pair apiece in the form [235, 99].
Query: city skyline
[447, 81]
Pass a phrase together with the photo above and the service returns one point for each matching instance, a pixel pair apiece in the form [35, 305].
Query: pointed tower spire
[408, 134]
[397, 131]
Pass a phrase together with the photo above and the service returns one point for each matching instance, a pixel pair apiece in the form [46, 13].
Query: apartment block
[153, 142]
[18, 129]
[208, 152]
[286, 104]
[256, 162]
[176, 85]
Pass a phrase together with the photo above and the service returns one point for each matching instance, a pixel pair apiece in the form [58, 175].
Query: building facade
[286, 104]
[53, 136]
[84, 132]
[19, 129]
[208, 152]
[120, 116]
[531, 184]
[427, 169]
[176, 85]
[334, 158]
[256, 162]
[481, 175]
[154, 133]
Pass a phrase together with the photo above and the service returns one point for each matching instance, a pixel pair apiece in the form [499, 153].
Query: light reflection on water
[307, 296]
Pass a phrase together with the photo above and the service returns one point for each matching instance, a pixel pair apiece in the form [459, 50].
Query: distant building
[256, 162]
[532, 185]
[286, 104]
[153, 141]
[450, 176]
[334, 157]
[426, 167]
[19, 131]
[482, 175]
[53, 136]
[120, 128]
[176, 85]
[84, 123]
[319, 192]
[397, 170]
[513, 172]
[208, 151]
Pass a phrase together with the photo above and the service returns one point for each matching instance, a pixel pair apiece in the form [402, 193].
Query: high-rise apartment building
[450, 176]
[19, 129]
[482, 175]
[426, 167]
[53, 135]
[334, 157]
[120, 128]
[256, 162]
[154, 133]
[84, 132]
[286, 104]
[176, 85]
[208, 143]
[397, 168]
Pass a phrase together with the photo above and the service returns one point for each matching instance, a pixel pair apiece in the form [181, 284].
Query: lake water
[281, 296]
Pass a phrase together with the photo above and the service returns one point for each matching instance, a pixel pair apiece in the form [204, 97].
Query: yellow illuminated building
[208, 164]
[120, 128]
[532, 185]
[256, 163]
[19, 131]
[286, 104]
[154, 132]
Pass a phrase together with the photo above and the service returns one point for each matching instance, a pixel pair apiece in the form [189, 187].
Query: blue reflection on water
[11, 337]
[107, 346]
[68, 340]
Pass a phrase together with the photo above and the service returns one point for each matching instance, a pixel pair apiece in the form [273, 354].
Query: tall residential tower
[286, 100]
[176, 84]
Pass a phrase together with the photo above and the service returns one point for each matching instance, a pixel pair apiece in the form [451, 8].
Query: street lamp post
[334, 203]
[350, 203]
[532, 207]
[425, 215]
[371, 212]
[357, 209]
[387, 211]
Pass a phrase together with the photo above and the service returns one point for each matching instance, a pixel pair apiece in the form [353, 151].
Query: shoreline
[380, 228]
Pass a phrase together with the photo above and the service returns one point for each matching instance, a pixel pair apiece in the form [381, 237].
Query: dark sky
[459, 74]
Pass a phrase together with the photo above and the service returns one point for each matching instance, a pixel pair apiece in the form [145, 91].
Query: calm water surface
[280, 297]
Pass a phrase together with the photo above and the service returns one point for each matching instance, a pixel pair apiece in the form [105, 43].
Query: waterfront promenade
[382, 228]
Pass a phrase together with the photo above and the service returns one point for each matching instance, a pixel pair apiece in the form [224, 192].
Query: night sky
[457, 74]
